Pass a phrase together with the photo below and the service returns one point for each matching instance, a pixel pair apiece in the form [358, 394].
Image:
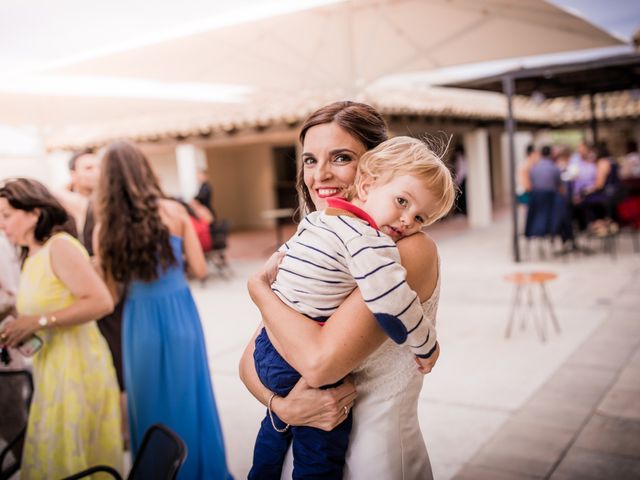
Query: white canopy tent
[352, 43]
[341, 46]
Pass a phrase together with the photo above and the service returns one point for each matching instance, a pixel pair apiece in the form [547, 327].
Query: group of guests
[348, 310]
[142, 243]
[565, 189]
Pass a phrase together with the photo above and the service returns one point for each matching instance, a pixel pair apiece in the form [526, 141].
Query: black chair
[161, 455]
[15, 385]
[216, 256]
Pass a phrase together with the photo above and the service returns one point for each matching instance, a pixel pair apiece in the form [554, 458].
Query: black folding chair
[161, 455]
[216, 256]
[16, 391]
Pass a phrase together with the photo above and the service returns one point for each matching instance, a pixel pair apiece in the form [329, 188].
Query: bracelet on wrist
[45, 321]
[273, 423]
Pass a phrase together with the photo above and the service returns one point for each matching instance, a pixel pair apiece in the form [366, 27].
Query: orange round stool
[525, 306]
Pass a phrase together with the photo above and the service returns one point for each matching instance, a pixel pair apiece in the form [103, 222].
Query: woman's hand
[16, 331]
[266, 276]
[270, 269]
[313, 407]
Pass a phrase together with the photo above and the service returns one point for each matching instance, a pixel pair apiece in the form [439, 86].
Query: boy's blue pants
[316, 453]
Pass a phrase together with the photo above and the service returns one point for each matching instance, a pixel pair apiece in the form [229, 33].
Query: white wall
[51, 169]
[164, 165]
[23, 167]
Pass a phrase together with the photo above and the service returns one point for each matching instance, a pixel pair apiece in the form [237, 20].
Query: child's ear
[363, 186]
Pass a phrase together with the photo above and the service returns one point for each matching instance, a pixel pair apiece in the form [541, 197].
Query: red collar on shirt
[342, 204]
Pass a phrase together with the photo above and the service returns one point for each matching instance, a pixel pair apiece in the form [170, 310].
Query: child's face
[400, 207]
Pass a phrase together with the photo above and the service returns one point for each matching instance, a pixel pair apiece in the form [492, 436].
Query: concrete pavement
[493, 407]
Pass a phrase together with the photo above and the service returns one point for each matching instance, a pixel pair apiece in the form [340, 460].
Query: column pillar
[476, 147]
[520, 140]
[189, 160]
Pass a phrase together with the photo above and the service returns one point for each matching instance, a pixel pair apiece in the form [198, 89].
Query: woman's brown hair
[361, 121]
[133, 241]
[29, 195]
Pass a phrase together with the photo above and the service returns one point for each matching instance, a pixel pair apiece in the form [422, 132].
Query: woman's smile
[325, 192]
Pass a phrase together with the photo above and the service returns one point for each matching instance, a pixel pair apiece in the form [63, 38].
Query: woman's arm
[303, 406]
[74, 270]
[525, 180]
[194, 256]
[202, 212]
[248, 375]
[325, 354]
[602, 172]
[177, 219]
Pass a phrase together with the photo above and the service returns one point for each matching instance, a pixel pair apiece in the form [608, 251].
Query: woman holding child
[385, 440]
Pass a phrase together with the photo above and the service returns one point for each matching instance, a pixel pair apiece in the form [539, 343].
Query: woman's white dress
[386, 441]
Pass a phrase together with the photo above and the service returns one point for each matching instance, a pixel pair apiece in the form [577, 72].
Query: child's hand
[425, 365]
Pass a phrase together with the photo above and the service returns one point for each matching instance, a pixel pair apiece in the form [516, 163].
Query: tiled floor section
[530, 400]
[584, 423]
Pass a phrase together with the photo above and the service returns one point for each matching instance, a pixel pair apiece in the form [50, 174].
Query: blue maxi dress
[166, 371]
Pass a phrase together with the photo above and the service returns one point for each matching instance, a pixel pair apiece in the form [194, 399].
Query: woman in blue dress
[143, 242]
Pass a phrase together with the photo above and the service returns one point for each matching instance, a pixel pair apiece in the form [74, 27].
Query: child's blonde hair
[408, 156]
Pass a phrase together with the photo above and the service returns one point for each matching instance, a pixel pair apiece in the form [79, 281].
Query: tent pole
[510, 126]
[594, 121]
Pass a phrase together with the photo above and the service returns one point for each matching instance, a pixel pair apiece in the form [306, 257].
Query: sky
[621, 17]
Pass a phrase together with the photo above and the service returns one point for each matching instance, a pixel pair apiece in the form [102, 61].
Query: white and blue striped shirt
[331, 254]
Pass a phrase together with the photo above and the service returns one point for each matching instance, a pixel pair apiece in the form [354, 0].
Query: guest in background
[201, 219]
[13, 419]
[144, 240]
[581, 170]
[562, 155]
[596, 204]
[78, 199]
[544, 175]
[631, 161]
[83, 170]
[205, 193]
[9, 274]
[74, 420]
[545, 215]
[524, 182]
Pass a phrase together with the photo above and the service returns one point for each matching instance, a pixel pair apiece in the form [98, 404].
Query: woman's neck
[33, 246]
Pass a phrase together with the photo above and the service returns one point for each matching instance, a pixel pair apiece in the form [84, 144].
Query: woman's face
[18, 225]
[329, 159]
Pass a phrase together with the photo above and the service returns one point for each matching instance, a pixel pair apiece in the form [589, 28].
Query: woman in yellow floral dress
[74, 421]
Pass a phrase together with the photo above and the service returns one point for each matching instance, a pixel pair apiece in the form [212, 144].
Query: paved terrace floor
[493, 408]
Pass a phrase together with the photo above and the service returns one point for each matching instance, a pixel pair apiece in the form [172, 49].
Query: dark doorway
[284, 159]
